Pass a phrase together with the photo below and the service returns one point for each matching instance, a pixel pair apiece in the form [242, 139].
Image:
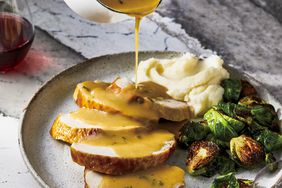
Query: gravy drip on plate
[159, 177]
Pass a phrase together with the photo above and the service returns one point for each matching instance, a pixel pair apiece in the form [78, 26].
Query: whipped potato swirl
[187, 78]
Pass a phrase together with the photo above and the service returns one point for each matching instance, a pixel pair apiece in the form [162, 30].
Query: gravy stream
[137, 9]
[137, 27]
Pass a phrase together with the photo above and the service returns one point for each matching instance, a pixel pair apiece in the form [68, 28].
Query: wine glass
[269, 179]
[16, 33]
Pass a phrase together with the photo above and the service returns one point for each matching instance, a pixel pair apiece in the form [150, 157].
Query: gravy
[132, 144]
[106, 121]
[131, 101]
[159, 177]
[136, 8]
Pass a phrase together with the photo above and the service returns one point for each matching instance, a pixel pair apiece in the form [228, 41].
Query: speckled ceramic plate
[49, 160]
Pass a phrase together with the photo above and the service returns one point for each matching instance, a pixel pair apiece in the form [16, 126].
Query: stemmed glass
[16, 32]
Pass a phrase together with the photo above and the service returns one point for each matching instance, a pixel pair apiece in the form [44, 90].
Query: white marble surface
[92, 39]
[13, 171]
[63, 39]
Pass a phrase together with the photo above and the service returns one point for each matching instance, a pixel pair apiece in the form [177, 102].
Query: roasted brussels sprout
[228, 108]
[265, 115]
[247, 89]
[233, 110]
[222, 126]
[236, 89]
[246, 152]
[250, 101]
[232, 90]
[269, 160]
[201, 156]
[193, 131]
[270, 140]
[229, 181]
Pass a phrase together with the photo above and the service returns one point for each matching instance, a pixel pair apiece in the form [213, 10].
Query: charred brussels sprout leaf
[255, 128]
[229, 181]
[236, 89]
[262, 114]
[251, 101]
[234, 123]
[228, 108]
[245, 183]
[270, 162]
[265, 115]
[201, 156]
[219, 126]
[247, 89]
[225, 165]
[232, 90]
[223, 127]
[270, 140]
[220, 143]
[243, 113]
[246, 151]
[193, 131]
[239, 112]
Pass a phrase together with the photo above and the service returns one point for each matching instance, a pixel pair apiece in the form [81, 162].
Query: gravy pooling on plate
[159, 177]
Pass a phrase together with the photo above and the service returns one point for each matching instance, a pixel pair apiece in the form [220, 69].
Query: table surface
[247, 33]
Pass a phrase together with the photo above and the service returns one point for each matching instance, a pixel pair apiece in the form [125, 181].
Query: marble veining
[92, 39]
[245, 34]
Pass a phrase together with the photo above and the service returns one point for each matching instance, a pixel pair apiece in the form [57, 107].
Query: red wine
[16, 36]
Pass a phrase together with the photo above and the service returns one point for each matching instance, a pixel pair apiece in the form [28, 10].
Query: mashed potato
[187, 78]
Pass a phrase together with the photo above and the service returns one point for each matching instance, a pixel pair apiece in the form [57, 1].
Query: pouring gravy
[136, 8]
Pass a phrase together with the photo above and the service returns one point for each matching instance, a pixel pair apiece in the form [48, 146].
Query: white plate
[49, 160]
